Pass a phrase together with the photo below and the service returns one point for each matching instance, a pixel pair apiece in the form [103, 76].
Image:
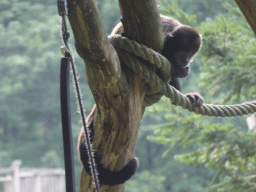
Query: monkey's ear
[169, 36]
[168, 46]
[169, 41]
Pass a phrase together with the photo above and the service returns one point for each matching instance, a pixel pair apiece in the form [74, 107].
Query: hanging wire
[63, 11]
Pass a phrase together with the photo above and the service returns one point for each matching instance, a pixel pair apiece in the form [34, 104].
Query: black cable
[94, 174]
[66, 125]
[62, 6]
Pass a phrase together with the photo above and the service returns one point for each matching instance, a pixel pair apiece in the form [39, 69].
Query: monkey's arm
[195, 98]
[175, 82]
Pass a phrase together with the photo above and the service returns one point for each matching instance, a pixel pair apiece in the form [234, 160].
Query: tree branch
[119, 94]
[142, 23]
[248, 7]
[92, 44]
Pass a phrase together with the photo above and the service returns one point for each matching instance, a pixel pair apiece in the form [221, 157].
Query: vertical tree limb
[248, 8]
[119, 94]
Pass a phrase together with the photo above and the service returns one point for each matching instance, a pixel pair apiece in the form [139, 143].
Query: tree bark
[118, 91]
[248, 8]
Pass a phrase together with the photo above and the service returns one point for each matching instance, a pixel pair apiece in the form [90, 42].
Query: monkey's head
[181, 45]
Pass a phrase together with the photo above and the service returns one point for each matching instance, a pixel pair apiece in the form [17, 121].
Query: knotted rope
[159, 87]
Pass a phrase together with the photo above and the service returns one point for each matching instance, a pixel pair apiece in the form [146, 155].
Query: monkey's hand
[180, 72]
[195, 98]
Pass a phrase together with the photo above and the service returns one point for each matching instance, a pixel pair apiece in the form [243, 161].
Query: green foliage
[223, 148]
[174, 10]
[27, 45]
[5, 158]
[188, 8]
[227, 71]
[228, 75]
[146, 182]
[29, 98]
[51, 160]
[110, 13]
[175, 133]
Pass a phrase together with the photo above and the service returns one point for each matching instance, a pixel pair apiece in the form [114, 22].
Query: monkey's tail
[106, 176]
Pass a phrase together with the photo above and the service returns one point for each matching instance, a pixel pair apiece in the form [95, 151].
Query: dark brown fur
[182, 42]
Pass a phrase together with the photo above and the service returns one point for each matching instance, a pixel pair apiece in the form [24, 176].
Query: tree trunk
[248, 7]
[118, 91]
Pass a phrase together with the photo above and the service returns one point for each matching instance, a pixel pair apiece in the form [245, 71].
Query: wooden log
[119, 94]
[248, 8]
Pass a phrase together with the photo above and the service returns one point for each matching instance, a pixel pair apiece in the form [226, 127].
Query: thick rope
[144, 52]
[158, 87]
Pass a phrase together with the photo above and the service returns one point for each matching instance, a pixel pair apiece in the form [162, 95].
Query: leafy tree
[146, 182]
[187, 8]
[29, 101]
[29, 98]
[225, 62]
[224, 148]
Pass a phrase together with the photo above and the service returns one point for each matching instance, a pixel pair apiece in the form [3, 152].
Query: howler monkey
[182, 42]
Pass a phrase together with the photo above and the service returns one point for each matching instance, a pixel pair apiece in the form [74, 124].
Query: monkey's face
[180, 63]
[179, 59]
[182, 58]
[180, 47]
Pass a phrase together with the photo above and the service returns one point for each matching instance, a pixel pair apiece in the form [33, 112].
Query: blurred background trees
[178, 151]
